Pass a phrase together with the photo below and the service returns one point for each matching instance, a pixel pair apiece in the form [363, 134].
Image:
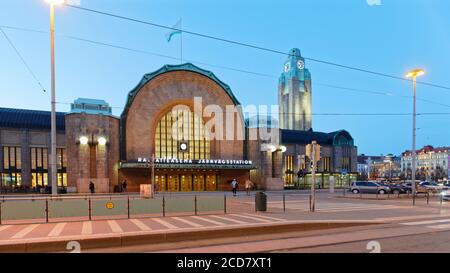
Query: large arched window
[178, 127]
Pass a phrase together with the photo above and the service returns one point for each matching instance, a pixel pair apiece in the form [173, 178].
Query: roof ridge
[28, 110]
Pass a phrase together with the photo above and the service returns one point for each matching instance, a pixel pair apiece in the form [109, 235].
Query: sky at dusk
[390, 38]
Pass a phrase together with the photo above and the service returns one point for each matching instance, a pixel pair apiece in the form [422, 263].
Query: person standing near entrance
[92, 187]
[234, 185]
[248, 186]
[124, 186]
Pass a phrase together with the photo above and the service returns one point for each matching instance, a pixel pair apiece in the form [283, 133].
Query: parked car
[368, 187]
[426, 186]
[398, 188]
[445, 195]
[407, 186]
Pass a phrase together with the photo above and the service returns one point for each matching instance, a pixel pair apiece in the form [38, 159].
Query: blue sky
[391, 38]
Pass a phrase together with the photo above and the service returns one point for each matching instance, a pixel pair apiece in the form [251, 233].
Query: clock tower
[294, 94]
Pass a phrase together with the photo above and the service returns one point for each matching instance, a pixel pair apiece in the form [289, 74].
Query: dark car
[398, 188]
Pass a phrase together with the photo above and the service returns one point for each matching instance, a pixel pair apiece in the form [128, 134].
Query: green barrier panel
[68, 208]
[146, 206]
[210, 203]
[18, 210]
[106, 207]
[180, 204]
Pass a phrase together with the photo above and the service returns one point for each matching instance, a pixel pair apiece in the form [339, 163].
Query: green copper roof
[182, 67]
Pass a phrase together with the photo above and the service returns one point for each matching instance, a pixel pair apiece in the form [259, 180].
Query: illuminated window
[288, 170]
[40, 167]
[12, 166]
[187, 127]
[326, 163]
[346, 163]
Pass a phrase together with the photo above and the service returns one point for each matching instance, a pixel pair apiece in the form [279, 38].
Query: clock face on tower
[300, 64]
[287, 67]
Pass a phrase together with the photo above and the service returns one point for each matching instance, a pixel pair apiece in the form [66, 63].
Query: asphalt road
[432, 242]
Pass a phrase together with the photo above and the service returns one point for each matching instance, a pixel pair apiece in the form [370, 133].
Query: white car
[429, 187]
[445, 195]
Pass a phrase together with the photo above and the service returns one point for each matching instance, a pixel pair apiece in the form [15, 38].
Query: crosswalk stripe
[24, 231]
[187, 222]
[229, 219]
[440, 226]
[114, 226]
[266, 217]
[164, 223]
[2, 228]
[140, 224]
[87, 228]
[203, 218]
[426, 222]
[253, 218]
[56, 231]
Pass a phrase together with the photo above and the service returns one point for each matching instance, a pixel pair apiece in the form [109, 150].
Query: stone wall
[79, 156]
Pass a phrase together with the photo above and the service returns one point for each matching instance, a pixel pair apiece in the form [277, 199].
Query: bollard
[90, 209]
[441, 199]
[414, 198]
[256, 209]
[195, 204]
[428, 198]
[377, 192]
[225, 203]
[46, 211]
[310, 200]
[128, 206]
[164, 206]
[1, 213]
[343, 192]
[284, 203]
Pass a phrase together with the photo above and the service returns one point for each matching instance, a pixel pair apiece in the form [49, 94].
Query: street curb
[122, 240]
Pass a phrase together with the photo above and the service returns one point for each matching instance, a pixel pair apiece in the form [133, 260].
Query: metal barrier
[49, 209]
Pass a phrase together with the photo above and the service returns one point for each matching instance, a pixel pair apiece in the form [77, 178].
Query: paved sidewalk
[240, 216]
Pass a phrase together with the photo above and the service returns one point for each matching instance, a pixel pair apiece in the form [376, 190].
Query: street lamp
[414, 74]
[53, 165]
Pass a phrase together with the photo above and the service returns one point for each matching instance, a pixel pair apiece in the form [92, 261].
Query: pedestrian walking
[234, 186]
[92, 187]
[248, 186]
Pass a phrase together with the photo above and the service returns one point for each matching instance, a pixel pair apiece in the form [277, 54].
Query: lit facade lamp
[102, 141]
[272, 148]
[84, 140]
[283, 149]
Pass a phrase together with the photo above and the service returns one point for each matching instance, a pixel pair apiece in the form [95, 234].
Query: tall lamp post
[53, 165]
[414, 74]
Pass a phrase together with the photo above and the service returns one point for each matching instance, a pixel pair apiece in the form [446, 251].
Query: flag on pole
[176, 30]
